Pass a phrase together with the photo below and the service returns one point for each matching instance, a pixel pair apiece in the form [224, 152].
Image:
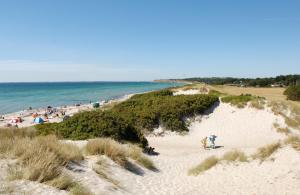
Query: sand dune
[245, 129]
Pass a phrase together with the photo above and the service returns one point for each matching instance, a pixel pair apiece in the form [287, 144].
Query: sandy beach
[70, 110]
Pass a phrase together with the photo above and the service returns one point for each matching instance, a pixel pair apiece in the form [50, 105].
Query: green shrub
[94, 124]
[293, 92]
[126, 121]
[148, 111]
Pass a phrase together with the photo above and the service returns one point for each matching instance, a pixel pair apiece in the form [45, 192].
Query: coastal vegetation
[205, 165]
[290, 113]
[235, 155]
[242, 100]
[44, 159]
[293, 141]
[101, 168]
[208, 163]
[119, 153]
[39, 158]
[293, 92]
[264, 152]
[126, 121]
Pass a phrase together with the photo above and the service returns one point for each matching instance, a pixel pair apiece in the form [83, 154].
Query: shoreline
[28, 117]
[69, 110]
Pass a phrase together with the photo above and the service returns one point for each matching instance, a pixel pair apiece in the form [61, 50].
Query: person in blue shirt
[212, 139]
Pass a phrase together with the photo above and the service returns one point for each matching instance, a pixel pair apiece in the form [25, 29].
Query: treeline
[128, 120]
[283, 80]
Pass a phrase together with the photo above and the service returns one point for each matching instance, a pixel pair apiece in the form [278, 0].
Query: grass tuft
[235, 155]
[258, 103]
[205, 165]
[40, 159]
[67, 151]
[118, 152]
[62, 182]
[282, 108]
[12, 133]
[136, 154]
[264, 152]
[101, 169]
[283, 130]
[294, 141]
[78, 189]
[108, 147]
[210, 162]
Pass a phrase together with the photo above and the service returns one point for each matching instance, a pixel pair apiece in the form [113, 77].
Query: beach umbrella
[38, 120]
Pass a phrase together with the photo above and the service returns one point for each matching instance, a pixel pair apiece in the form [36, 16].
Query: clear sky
[81, 40]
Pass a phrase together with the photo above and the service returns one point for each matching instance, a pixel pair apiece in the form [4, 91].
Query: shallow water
[19, 96]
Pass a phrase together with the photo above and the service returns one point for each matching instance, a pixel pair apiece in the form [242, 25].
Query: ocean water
[19, 96]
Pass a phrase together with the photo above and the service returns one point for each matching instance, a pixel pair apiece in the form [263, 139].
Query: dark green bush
[148, 111]
[128, 119]
[94, 124]
[293, 92]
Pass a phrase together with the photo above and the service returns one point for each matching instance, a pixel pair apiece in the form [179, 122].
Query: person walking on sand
[204, 142]
[212, 139]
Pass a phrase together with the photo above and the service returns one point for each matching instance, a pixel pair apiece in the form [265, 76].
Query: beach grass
[108, 147]
[264, 152]
[62, 182]
[258, 103]
[290, 111]
[101, 168]
[79, 189]
[205, 165]
[208, 163]
[294, 141]
[17, 132]
[283, 130]
[39, 158]
[118, 152]
[135, 153]
[235, 155]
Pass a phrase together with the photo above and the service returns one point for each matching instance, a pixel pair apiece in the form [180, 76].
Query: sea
[20, 96]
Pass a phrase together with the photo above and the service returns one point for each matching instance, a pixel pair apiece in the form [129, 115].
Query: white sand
[27, 118]
[244, 129]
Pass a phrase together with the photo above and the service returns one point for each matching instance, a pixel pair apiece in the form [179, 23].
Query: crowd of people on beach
[38, 116]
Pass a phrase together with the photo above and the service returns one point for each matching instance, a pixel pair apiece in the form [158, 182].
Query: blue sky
[72, 40]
